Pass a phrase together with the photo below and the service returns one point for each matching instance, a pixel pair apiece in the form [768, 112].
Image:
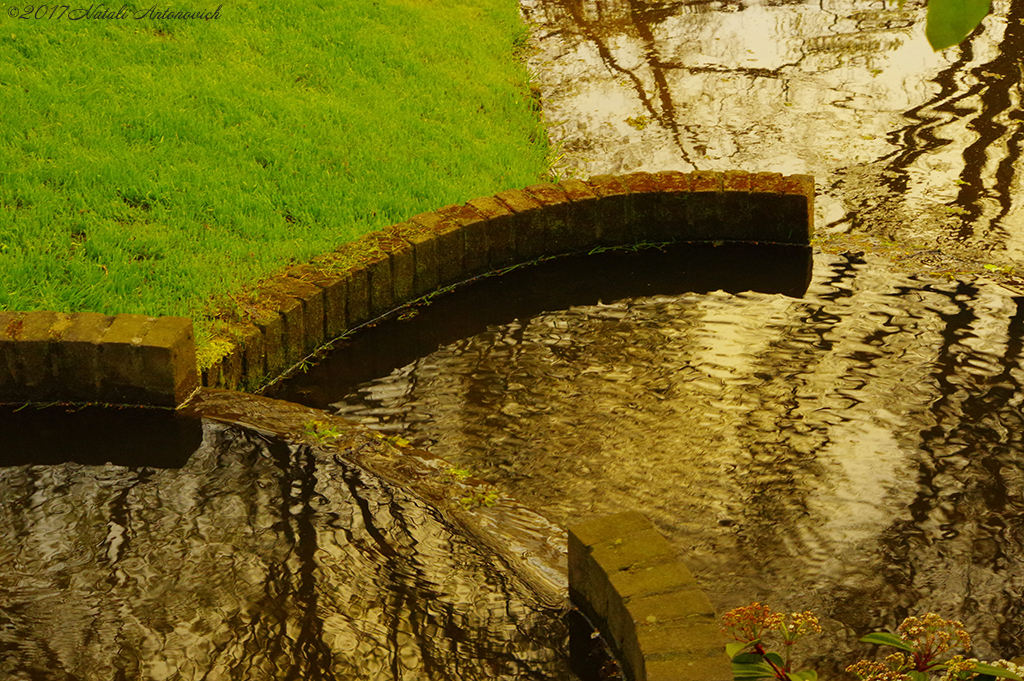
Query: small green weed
[321, 432]
[478, 499]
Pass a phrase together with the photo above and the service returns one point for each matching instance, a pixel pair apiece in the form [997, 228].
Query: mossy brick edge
[306, 305]
[94, 358]
[629, 581]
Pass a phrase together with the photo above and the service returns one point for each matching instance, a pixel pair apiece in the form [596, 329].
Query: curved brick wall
[132, 359]
[630, 583]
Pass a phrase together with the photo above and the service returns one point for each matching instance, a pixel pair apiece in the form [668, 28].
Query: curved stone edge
[287, 317]
[280, 321]
[628, 580]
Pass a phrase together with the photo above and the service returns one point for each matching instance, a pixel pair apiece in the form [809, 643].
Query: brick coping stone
[133, 359]
[628, 580]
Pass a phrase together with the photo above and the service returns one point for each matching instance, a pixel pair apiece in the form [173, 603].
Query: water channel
[846, 441]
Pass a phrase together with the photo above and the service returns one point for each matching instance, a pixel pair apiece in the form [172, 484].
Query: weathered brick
[559, 221]
[426, 275]
[530, 223]
[450, 248]
[168, 352]
[693, 667]
[382, 287]
[736, 181]
[78, 354]
[358, 303]
[476, 259]
[293, 318]
[334, 295]
[648, 211]
[614, 210]
[501, 230]
[312, 298]
[120, 362]
[253, 346]
[275, 356]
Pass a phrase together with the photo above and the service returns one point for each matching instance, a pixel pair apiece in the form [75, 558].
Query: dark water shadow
[94, 436]
[557, 284]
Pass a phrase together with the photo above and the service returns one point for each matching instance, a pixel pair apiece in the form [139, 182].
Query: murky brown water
[903, 142]
[856, 451]
[263, 557]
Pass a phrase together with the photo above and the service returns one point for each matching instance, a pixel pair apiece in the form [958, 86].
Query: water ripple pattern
[856, 451]
[904, 142]
[257, 560]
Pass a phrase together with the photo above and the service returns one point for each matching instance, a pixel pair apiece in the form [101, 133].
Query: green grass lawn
[148, 165]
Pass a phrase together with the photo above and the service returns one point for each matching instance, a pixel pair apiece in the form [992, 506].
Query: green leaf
[748, 658]
[735, 648]
[883, 638]
[752, 671]
[806, 675]
[950, 21]
[775, 659]
[917, 676]
[981, 668]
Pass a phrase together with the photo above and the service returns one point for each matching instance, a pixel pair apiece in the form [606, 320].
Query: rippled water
[855, 450]
[257, 559]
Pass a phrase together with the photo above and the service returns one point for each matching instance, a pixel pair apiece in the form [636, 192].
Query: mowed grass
[149, 165]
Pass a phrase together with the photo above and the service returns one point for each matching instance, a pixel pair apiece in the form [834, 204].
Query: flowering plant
[749, 625]
[921, 640]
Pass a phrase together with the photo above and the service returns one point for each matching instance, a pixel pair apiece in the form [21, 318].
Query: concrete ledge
[628, 580]
[47, 357]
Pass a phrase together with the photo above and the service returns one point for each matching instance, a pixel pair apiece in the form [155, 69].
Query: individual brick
[704, 206]
[380, 283]
[690, 606]
[450, 246]
[272, 329]
[647, 209]
[426, 272]
[614, 210]
[253, 345]
[358, 303]
[312, 299]
[735, 205]
[673, 214]
[77, 355]
[585, 211]
[530, 224]
[693, 667]
[168, 351]
[736, 181]
[650, 580]
[120, 362]
[476, 258]
[334, 296]
[680, 637]
[212, 376]
[501, 230]
[766, 183]
[560, 235]
[403, 265]
[292, 315]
